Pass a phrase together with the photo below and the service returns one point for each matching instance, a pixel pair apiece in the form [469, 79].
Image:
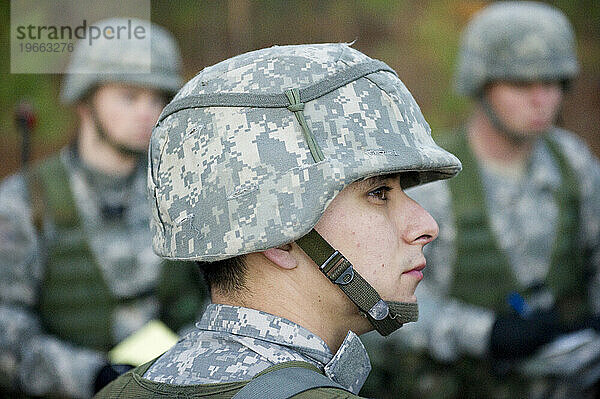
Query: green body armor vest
[75, 303]
[482, 274]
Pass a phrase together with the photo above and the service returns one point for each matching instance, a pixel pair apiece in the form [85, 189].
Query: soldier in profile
[282, 173]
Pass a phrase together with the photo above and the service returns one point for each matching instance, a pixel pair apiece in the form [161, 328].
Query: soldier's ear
[281, 256]
[85, 105]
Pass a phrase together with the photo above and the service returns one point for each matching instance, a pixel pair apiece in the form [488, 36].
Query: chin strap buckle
[338, 269]
[346, 277]
[380, 310]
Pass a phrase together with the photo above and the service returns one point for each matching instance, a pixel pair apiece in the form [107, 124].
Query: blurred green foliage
[418, 38]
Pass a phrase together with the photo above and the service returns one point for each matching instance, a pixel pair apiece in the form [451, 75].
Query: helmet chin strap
[124, 150]
[385, 316]
[513, 135]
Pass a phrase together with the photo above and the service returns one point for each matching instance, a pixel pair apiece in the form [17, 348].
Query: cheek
[364, 236]
[158, 106]
[512, 106]
[369, 243]
[155, 114]
[113, 112]
[556, 101]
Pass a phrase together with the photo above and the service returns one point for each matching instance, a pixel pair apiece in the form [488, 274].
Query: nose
[422, 227]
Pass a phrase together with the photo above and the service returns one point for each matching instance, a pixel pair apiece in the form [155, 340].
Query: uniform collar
[349, 367]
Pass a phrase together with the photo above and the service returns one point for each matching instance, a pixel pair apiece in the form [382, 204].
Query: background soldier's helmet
[153, 62]
[515, 41]
[240, 161]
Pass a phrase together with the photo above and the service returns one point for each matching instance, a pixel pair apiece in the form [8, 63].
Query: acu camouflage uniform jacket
[230, 346]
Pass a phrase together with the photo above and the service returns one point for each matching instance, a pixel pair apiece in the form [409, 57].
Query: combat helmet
[515, 41]
[154, 62]
[251, 151]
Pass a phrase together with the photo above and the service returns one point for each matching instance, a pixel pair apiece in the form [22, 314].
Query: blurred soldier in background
[77, 271]
[260, 167]
[513, 279]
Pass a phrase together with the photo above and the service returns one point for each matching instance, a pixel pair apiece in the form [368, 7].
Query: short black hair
[227, 276]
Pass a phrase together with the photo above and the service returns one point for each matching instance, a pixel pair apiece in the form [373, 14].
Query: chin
[404, 298]
[537, 129]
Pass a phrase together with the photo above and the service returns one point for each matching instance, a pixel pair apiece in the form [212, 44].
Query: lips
[416, 272]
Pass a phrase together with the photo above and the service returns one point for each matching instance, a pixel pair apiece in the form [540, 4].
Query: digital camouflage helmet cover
[153, 62]
[515, 41]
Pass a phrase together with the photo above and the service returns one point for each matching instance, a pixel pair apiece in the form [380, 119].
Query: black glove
[514, 336]
[108, 373]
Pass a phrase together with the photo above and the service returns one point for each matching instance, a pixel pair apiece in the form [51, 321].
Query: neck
[98, 154]
[302, 295]
[494, 147]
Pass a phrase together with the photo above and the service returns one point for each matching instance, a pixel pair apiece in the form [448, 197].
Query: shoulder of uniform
[568, 140]
[13, 186]
[574, 148]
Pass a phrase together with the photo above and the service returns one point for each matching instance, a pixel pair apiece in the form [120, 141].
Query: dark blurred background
[418, 38]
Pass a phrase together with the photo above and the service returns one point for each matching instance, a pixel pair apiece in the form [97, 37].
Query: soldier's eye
[380, 193]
